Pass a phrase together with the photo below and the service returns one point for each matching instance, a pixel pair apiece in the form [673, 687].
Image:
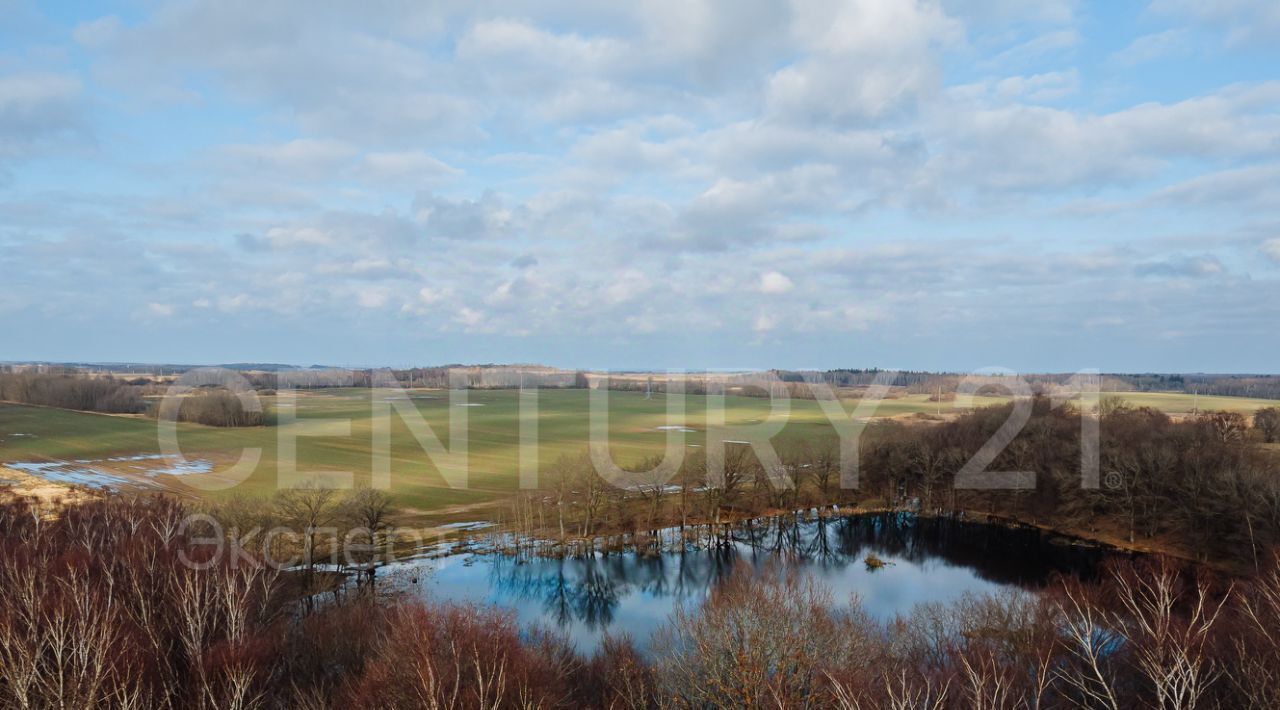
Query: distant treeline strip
[794, 383]
[88, 394]
[212, 406]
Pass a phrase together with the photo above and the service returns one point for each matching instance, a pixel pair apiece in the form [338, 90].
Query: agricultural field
[125, 450]
[1177, 403]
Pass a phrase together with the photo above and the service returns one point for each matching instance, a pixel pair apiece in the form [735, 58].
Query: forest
[212, 405]
[1207, 488]
[120, 603]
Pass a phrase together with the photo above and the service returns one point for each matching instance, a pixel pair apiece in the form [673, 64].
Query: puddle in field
[672, 427]
[69, 472]
[182, 467]
[473, 525]
[471, 404]
[87, 472]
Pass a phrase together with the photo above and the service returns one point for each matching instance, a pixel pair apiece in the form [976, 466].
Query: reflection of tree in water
[996, 553]
[819, 548]
[787, 536]
[792, 538]
[569, 588]
[588, 589]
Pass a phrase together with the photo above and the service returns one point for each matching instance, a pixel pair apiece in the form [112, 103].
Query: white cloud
[1001, 12]
[866, 59]
[1020, 147]
[430, 296]
[36, 110]
[1048, 44]
[1243, 21]
[372, 297]
[1039, 87]
[587, 170]
[469, 317]
[773, 282]
[294, 237]
[407, 165]
[97, 33]
[1153, 46]
[519, 44]
[315, 158]
[1271, 248]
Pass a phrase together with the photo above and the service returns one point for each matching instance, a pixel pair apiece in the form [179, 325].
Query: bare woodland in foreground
[112, 605]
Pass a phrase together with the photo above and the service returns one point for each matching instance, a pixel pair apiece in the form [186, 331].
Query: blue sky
[679, 184]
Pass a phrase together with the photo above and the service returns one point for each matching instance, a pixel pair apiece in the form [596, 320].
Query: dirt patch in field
[21, 484]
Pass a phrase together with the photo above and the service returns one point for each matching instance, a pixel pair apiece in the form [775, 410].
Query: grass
[1179, 403]
[493, 436]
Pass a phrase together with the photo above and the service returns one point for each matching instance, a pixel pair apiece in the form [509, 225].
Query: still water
[929, 560]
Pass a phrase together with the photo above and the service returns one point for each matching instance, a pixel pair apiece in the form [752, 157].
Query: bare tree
[1170, 649]
[368, 512]
[1090, 643]
[593, 493]
[564, 473]
[1267, 421]
[308, 509]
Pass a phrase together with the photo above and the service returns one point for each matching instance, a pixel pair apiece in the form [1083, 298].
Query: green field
[1178, 403]
[40, 434]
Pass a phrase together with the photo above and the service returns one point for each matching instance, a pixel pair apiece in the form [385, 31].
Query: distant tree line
[1262, 386]
[845, 377]
[444, 377]
[68, 391]
[493, 376]
[209, 404]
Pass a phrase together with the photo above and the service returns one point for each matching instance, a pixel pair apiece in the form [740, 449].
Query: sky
[672, 184]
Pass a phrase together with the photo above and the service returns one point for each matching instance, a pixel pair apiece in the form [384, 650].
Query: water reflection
[930, 559]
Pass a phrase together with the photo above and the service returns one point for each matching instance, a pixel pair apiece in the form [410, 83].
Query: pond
[928, 560]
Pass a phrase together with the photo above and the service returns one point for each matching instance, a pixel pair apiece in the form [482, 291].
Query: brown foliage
[113, 604]
[217, 407]
[460, 657]
[89, 394]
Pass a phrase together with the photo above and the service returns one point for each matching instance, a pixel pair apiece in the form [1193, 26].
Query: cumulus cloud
[866, 59]
[1186, 267]
[587, 172]
[1150, 47]
[482, 218]
[1271, 248]
[412, 166]
[773, 282]
[1242, 21]
[38, 110]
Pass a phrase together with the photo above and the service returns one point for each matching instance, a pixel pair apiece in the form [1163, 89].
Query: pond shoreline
[546, 544]
[928, 559]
